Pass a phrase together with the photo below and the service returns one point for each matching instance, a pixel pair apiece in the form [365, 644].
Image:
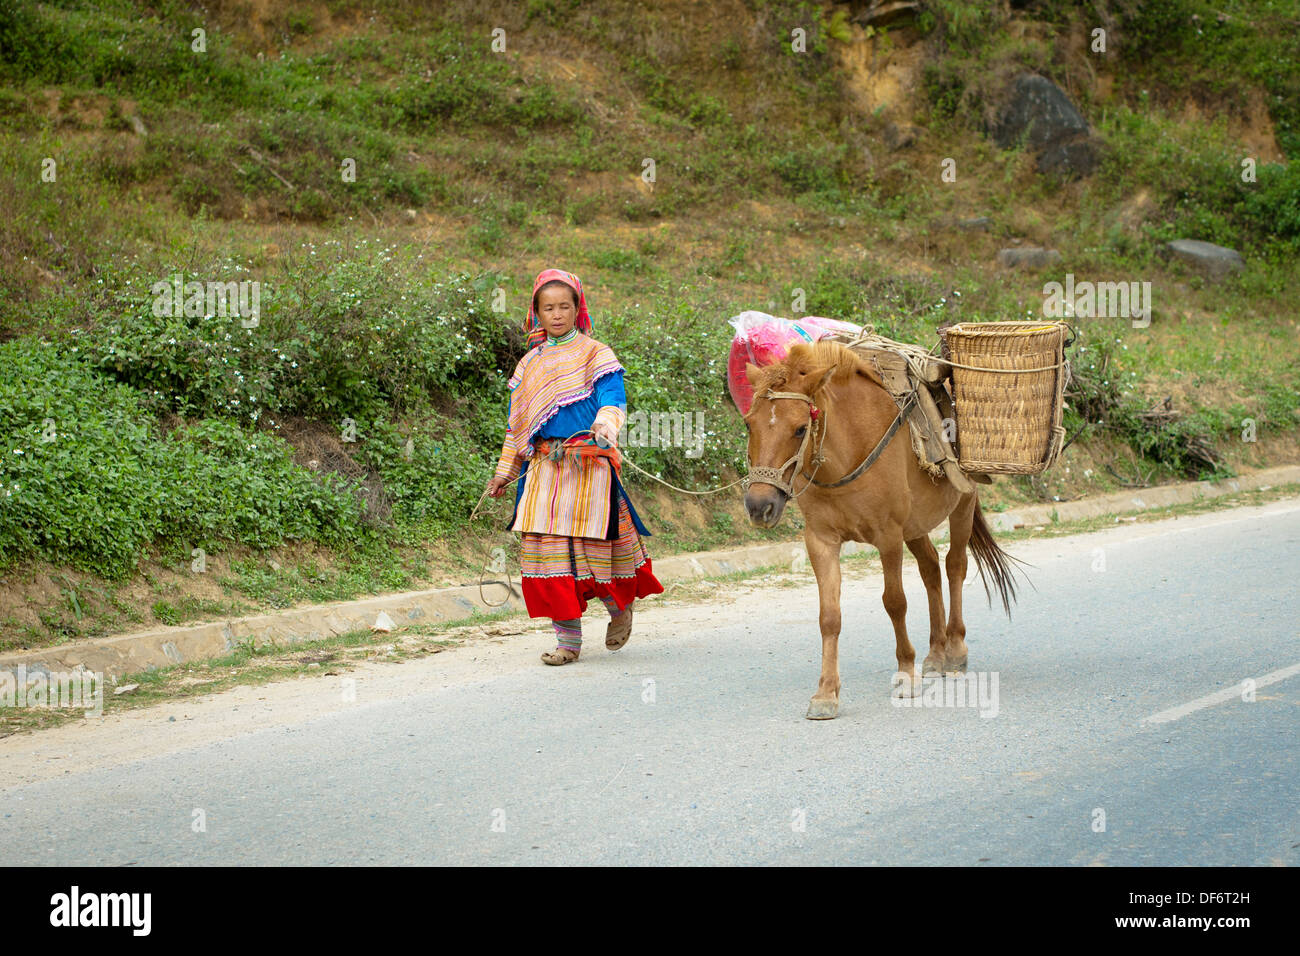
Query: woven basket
[1008, 388]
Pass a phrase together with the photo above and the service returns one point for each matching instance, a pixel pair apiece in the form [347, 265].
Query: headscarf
[532, 328]
[549, 378]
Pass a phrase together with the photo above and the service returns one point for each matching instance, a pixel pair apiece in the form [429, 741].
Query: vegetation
[392, 183]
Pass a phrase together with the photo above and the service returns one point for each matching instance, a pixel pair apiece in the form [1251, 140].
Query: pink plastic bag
[766, 340]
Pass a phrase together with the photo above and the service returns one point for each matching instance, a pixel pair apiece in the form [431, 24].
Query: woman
[580, 533]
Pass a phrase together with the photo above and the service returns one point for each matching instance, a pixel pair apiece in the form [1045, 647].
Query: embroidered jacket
[561, 387]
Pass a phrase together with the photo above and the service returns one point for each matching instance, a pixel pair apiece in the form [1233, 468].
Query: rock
[383, 624]
[1041, 116]
[1030, 257]
[138, 126]
[410, 215]
[125, 688]
[881, 13]
[1076, 158]
[899, 137]
[1215, 262]
[978, 224]
[1039, 111]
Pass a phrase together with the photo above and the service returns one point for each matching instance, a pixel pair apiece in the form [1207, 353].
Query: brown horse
[826, 398]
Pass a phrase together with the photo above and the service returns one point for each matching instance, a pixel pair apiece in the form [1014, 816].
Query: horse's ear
[823, 376]
[752, 372]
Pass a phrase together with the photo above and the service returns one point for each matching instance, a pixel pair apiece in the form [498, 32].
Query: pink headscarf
[532, 329]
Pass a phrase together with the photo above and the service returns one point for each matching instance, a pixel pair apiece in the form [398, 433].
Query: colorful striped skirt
[561, 574]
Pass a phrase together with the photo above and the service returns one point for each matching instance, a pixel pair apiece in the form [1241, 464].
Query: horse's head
[779, 428]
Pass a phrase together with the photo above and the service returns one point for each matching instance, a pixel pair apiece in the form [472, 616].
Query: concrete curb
[163, 646]
[1147, 499]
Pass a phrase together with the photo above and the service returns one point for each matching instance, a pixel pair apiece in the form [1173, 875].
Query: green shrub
[433, 488]
[1271, 210]
[676, 362]
[89, 481]
[334, 339]
[118, 50]
[809, 169]
[619, 260]
[1196, 173]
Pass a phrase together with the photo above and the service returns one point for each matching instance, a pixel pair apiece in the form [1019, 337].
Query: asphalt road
[690, 745]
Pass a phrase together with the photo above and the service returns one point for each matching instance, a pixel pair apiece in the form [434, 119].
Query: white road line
[1219, 697]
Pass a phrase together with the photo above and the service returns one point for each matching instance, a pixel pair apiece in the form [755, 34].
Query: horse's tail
[990, 558]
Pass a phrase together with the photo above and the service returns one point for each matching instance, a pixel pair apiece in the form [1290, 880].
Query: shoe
[619, 630]
[559, 656]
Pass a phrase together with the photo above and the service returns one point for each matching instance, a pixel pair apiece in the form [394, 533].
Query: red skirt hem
[563, 597]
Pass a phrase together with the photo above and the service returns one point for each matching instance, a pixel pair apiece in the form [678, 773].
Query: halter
[776, 476]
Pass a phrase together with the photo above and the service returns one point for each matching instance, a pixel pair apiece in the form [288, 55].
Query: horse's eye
[799, 432]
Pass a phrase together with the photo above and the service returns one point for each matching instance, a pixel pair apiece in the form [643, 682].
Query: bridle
[776, 476]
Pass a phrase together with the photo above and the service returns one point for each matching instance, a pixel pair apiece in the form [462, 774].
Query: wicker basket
[1008, 388]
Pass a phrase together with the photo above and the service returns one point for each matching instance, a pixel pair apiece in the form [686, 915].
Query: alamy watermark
[664, 430]
[62, 689]
[1098, 300]
[242, 300]
[975, 689]
[75, 908]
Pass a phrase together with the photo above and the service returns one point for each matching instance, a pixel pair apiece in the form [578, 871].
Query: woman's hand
[496, 487]
[608, 433]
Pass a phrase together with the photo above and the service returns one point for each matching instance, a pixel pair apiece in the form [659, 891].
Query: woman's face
[556, 311]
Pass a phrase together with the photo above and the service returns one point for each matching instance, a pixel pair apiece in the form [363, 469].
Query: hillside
[393, 182]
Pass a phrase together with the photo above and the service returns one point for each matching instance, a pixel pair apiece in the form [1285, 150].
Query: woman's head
[558, 306]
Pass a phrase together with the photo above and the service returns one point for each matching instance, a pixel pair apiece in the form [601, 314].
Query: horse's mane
[804, 359]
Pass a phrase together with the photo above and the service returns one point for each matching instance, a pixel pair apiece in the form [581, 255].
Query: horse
[828, 397]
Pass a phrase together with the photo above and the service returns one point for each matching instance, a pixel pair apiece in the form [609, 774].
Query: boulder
[883, 13]
[1039, 114]
[1038, 110]
[1215, 262]
[1030, 257]
[1075, 158]
[978, 224]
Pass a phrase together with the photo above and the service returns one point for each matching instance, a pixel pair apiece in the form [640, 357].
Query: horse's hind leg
[906, 683]
[960, 524]
[927, 560]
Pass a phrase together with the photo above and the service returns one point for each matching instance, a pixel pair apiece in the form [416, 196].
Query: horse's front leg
[824, 555]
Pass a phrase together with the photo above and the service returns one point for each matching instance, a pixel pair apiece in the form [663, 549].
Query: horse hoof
[933, 667]
[955, 665]
[822, 709]
[905, 685]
